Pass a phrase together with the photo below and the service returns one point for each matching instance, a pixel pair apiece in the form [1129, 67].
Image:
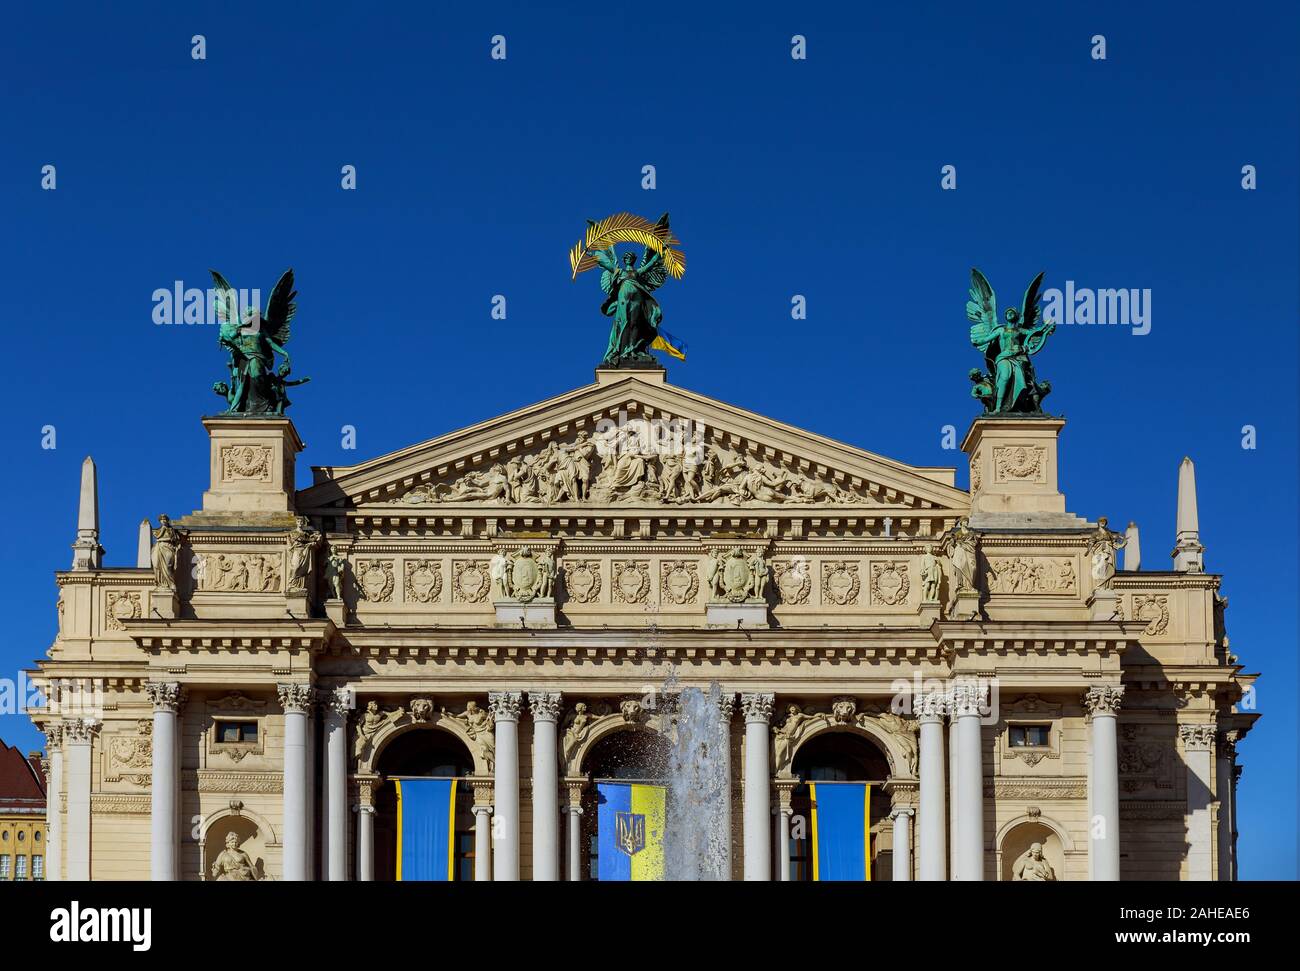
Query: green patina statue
[256, 385]
[1009, 386]
[628, 285]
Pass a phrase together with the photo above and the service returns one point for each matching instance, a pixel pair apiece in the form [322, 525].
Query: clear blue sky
[818, 177]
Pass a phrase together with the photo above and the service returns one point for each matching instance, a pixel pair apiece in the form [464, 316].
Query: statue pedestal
[535, 613]
[164, 603]
[968, 605]
[931, 611]
[252, 467]
[1013, 472]
[1103, 604]
[296, 603]
[750, 613]
[337, 611]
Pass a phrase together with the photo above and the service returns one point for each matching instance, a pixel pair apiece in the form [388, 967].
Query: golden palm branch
[626, 227]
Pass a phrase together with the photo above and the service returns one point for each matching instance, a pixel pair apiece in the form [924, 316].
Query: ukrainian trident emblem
[629, 832]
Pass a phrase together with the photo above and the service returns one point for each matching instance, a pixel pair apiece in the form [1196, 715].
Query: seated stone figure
[234, 863]
[1033, 866]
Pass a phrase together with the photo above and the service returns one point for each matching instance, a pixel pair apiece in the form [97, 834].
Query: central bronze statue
[1010, 386]
[253, 338]
[628, 285]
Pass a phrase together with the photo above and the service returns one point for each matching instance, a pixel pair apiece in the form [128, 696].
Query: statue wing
[280, 309]
[981, 309]
[227, 305]
[652, 273]
[1037, 329]
[608, 262]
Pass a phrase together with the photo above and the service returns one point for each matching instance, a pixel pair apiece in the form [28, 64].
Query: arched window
[637, 755]
[425, 754]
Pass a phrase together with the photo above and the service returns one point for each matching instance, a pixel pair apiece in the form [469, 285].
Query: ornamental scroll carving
[1032, 574]
[890, 584]
[635, 462]
[631, 581]
[793, 580]
[1154, 610]
[840, 583]
[470, 581]
[423, 581]
[120, 606]
[582, 580]
[679, 581]
[130, 757]
[1019, 463]
[245, 462]
[374, 580]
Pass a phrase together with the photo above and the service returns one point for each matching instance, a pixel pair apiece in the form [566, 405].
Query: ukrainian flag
[426, 829]
[841, 830]
[669, 344]
[630, 828]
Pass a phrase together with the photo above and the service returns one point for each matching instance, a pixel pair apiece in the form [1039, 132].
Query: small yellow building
[22, 815]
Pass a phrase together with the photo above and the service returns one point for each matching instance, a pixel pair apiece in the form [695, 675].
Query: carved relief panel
[679, 582]
[840, 583]
[119, 606]
[630, 583]
[374, 580]
[470, 581]
[239, 572]
[128, 756]
[582, 580]
[244, 463]
[891, 583]
[423, 581]
[1032, 575]
[793, 579]
[1152, 609]
[1019, 463]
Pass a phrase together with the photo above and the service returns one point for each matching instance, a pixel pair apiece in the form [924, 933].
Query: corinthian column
[930, 710]
[504, 707]
[54, 803]
[758, 783]
[338, 704]
[1226, 759]
[545, 706]
[296, 700]
[969, 700]
[1198, 742]
[1102, 702]
[78, 735]
[366, 828]
[165, 697]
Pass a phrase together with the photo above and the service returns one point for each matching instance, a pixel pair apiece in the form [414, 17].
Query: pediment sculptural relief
[632, 463]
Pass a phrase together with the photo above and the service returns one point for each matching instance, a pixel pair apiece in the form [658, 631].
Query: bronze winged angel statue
[256, 385]
[629, 284]
[1010, 386]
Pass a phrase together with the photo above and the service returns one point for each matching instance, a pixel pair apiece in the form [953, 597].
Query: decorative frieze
[120, 803]
[222, 780]
[1032, 574]
[239, 572]
[1196, 738]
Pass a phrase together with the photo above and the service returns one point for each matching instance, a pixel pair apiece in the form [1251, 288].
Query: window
[20, 873]
[1030, 736]
[38, 867]
[37, 837]
[235, 732]
[4, 867]
[22, 836]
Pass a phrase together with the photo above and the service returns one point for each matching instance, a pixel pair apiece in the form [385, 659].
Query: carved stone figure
[233, 863]
[904, 732]
[499, 571]
[1032, 866]
[960, 544]
[713, 576]
[786, 736]
[931, 576]
[760, 573]
[336, 566]
[576, 727]
[1101, 550]
[303, 540]
[546, 575]
[479, 727]
[372, 720]
[166, 550]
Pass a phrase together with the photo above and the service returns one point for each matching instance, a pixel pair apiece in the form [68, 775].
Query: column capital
[901, 811]
[1197, 738]
[366, 786]
[336, 701]
[545, 705]
[969, 696]
[78, 731]
[164, 695]
[931, 706]
[757, 707]
[727, 705]
[504, 705]
[575, 786]
[53, 732]
[1228, 744]
[1103, 699]
[296, 698]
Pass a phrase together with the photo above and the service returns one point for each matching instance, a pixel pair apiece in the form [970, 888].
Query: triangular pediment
[630, 442]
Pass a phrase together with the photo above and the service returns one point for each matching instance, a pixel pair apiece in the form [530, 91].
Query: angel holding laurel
[628, 285]
[1010, 385]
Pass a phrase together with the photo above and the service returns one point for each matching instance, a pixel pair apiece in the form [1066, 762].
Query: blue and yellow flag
[426, 829]
[630, 827]
[669, 344]
[841, 830]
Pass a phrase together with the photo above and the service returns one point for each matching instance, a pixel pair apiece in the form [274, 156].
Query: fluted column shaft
[758, 799]
[164, 820]
[504, 706]
[1102, 702]
[545, 708]
[933, 802]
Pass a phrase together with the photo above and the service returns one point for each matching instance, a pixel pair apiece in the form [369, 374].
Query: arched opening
[243, 845]
[1016, 849]
[425, 753]
[633, 755]
[837, 757]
